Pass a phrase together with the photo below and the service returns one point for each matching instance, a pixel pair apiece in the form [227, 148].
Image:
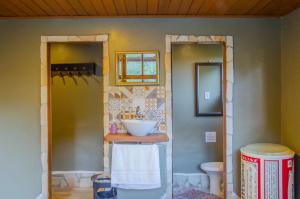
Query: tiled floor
[74, 194]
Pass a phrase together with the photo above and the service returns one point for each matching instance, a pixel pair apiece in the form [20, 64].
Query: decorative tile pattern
[151, 104]
[114, 106]
[163, 128]
[124, 100]
[138, 92]
[160, 93]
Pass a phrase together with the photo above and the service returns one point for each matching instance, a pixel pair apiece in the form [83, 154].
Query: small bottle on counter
[113, 128]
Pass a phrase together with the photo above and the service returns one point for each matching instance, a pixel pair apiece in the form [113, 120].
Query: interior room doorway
[47, 101]
[77, 118]
[227, 82]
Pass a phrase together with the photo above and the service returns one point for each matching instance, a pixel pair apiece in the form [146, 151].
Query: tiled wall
[123, 101]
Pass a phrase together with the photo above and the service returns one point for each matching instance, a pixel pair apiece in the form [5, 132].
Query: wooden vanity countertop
[124, 137]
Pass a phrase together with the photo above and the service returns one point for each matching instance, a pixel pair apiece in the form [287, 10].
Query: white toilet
[214, 171]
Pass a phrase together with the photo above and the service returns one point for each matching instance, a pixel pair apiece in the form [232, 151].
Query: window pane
[133, 80]
[150, 64]
[150, 80]
[139, 68]
[133, 64]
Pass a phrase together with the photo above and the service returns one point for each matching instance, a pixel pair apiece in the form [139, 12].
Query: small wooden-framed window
[137, 68]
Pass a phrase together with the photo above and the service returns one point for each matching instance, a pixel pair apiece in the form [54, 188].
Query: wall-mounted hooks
[62, 77]
[83, 68]
[73, 78]
[74, 69]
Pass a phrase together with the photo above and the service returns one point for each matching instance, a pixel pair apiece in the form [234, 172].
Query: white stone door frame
[45, 109]
[228, 80]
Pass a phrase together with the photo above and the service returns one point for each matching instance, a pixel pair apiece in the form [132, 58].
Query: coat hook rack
[73, 69]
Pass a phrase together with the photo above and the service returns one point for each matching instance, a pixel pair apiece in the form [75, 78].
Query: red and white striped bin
[267, 172]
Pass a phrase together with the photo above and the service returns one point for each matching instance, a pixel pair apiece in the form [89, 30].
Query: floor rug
[193, 194]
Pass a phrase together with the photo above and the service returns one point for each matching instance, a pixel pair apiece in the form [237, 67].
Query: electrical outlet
[207, 95]
[210, 137]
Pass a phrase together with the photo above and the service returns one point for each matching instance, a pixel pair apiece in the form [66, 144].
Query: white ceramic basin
[140, 127]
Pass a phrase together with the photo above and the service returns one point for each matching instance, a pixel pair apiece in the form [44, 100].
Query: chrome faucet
[138, 113]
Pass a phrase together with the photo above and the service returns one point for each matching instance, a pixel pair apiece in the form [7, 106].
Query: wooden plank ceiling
[145, 8]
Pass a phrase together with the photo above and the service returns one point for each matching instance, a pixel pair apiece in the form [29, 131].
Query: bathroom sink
[140, 127]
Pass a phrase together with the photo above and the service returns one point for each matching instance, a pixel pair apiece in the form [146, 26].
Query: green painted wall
[189, 147]
[290, 59]
[256, 94]
[77, 136]
[291, 80]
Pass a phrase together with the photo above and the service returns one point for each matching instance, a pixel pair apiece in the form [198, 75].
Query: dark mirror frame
[197, 94]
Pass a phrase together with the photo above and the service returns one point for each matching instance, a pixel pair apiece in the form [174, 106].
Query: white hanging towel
[135, 166]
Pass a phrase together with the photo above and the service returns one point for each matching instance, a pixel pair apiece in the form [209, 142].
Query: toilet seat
[213, 166]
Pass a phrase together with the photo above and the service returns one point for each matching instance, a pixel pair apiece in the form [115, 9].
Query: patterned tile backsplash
[124, 100]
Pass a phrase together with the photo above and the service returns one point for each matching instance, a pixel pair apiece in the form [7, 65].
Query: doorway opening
[74, 74]
[227, 110]
[198, 120]
[77, 118]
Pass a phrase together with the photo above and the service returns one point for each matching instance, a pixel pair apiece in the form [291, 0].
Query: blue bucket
[102, 188]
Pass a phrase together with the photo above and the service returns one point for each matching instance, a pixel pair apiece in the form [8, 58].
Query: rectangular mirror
[209, 97]
[137, 68]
